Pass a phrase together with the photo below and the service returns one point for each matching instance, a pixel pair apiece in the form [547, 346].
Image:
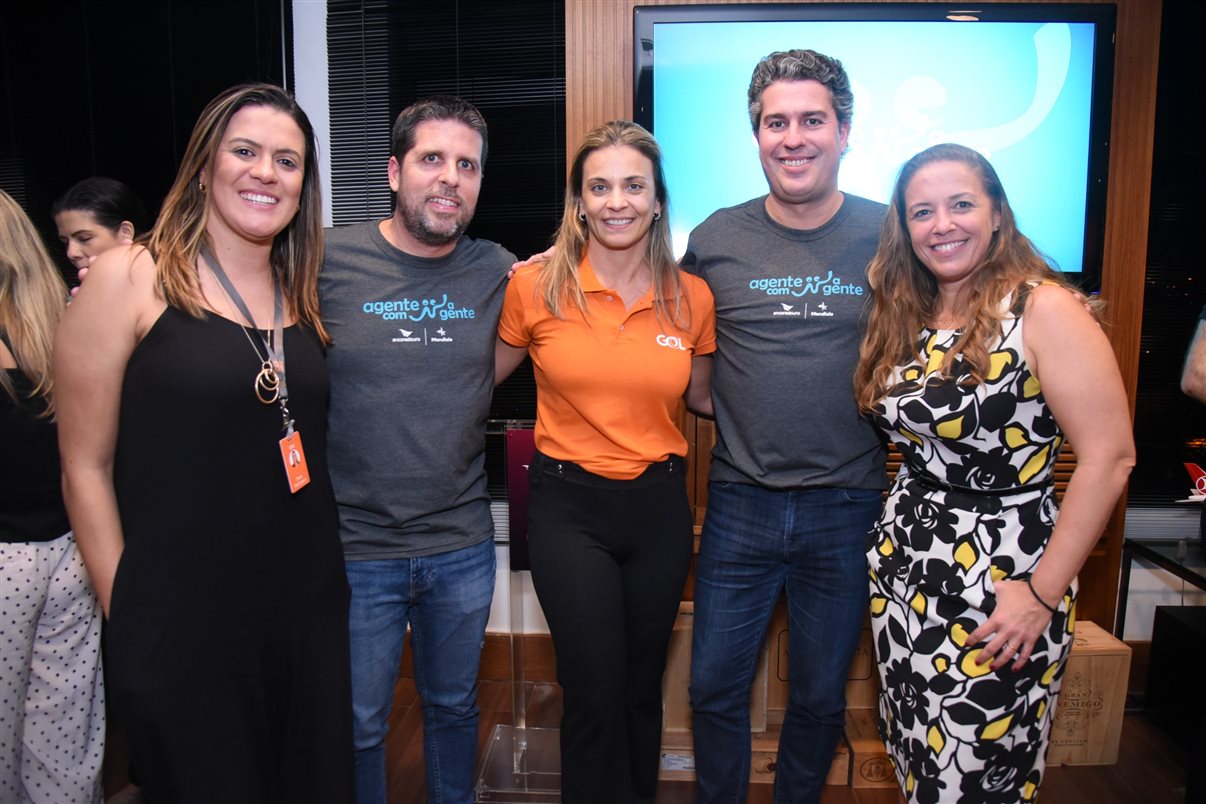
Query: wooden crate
[869, 763]
[678, 758]
[1088, 715]
[862, 680]
[676, 703]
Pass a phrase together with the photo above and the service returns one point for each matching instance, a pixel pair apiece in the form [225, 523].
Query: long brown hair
[176, 238]
[904, 293]
[559, 283]
[32, 299]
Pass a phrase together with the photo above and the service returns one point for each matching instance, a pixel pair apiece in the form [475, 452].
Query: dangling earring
[581, 217]
[657, 216]
[201, 184]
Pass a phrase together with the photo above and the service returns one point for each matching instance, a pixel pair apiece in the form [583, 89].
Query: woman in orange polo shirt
[617, 336]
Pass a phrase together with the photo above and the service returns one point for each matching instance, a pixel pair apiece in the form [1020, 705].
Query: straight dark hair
[108, 201]
[438, 107]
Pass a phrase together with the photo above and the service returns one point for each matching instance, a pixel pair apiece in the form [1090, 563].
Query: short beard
[420, 229]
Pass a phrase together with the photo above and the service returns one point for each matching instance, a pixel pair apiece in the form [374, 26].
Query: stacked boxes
[869, 763]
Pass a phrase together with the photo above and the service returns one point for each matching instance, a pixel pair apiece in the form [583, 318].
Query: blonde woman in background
[52, 700]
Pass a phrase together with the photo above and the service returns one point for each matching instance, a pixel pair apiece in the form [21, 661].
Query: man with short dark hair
[797, 474]
[413, 305]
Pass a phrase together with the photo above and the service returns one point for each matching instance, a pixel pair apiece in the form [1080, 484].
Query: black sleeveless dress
[228, 636]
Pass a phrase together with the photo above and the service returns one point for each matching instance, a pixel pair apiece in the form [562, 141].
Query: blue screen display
[1018, 92]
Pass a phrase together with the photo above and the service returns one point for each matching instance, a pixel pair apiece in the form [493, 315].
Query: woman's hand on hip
[1013, 629]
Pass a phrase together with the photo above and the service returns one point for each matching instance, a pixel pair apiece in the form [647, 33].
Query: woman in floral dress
[977, 361]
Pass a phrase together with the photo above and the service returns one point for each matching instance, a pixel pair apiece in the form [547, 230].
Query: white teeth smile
[796, 162]
[444, 202]
[617, 221]
[944, 247]
[256, 198]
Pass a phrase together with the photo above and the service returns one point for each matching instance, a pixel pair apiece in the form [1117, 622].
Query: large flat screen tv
[1027, 85]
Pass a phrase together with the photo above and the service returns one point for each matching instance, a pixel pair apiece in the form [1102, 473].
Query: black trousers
[609, 559]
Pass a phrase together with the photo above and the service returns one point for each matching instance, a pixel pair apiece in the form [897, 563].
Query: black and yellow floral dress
[972, 504]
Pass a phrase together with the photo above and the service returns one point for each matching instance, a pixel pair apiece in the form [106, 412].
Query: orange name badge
[295, 462]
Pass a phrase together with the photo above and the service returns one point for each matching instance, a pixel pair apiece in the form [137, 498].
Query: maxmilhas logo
[418, 310]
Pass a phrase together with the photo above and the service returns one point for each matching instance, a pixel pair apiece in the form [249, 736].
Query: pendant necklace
[267, 381]
[269, 384]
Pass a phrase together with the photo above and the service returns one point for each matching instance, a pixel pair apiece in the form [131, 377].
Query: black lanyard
[271, 378]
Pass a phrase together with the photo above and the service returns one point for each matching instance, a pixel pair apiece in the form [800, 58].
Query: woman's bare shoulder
[128, 264]
[121, 284]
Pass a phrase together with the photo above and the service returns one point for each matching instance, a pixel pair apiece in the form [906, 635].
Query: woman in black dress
[186, 371]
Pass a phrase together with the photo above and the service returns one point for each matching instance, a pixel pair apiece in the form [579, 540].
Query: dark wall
[109, 87]
[1170, 428]
[112, 88]
[508, 59]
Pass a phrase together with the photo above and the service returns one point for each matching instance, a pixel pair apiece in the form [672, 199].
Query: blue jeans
[446, 600]
[755, 542]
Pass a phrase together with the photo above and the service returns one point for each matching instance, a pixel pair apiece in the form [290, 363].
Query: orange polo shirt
[608, 382]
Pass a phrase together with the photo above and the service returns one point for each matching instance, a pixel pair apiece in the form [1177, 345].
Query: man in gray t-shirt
[412, 306]
[797, 474]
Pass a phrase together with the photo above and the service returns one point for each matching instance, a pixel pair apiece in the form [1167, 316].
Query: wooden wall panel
[598, 62]
[1132, 134]
[598, 74]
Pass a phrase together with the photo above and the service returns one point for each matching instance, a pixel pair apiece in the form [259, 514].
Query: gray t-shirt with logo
[790, 313]
[412, 372]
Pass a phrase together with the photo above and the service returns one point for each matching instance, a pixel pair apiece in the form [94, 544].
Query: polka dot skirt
[52, 698]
